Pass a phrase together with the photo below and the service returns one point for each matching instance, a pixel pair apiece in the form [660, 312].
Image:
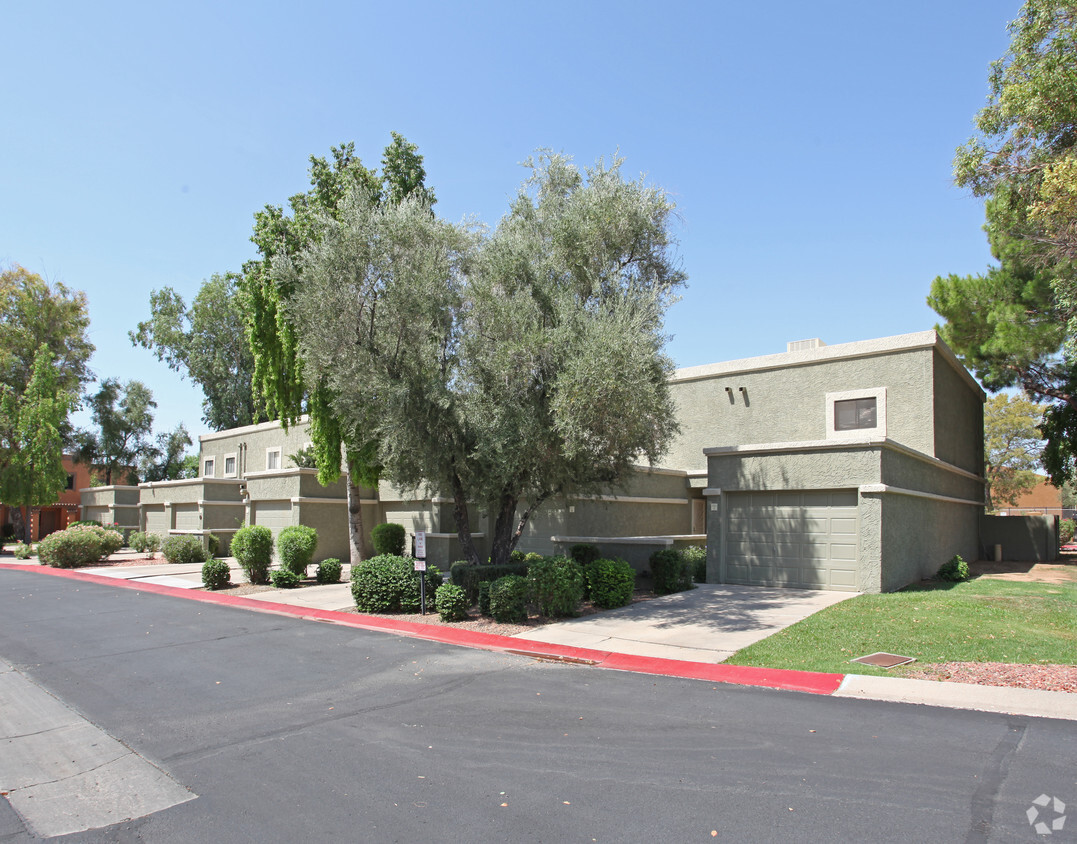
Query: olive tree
[499, 368]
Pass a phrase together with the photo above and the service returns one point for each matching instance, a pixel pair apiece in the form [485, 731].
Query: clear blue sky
[807, 145]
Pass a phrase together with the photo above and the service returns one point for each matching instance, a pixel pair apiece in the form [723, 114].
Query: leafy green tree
[1015, 325]
[202, 342]
[32, 473]
[32, 313]
[281, 385]
[500, 369]
[124, 417]
[166, 461]
[1012, 447]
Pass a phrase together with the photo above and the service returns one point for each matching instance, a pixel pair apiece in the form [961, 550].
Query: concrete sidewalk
[684, 635]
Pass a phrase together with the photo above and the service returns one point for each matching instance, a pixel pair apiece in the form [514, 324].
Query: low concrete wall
[1023, 538]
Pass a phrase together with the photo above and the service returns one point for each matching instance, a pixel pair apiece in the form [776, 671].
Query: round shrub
[670, 572]
[1066, 530]
[584, 553]
[296, 546]
[954, 570]
[384, 583]
[508, 599]
[68, 549]
[252, 546]
[285, 578]
[612, 583]
[183, 550]
[22, 551]
[388, 539]
[215, 574]
[696, 557]
[328, 571]
[557, 586]
[147, 543]
[137, 541]
[451, 603]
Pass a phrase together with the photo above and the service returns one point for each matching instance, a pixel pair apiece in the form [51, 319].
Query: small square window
[855, 414]
[272, 459]
[229, 465]
[207, 468]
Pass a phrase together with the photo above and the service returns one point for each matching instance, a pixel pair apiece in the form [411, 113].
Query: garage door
[272, 514]
[802, 539]
[156, 521]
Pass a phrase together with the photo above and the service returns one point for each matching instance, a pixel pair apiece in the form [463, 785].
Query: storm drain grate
[883, 660]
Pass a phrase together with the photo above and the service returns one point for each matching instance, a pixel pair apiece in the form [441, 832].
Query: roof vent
[804, 345]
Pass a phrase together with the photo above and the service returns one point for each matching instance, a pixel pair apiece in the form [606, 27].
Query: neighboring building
[1044, 498]
[67, 509]
[856, 467]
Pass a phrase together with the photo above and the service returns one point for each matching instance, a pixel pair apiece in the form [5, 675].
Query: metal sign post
[420, 566]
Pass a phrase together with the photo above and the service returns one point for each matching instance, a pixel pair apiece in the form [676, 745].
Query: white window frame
[277, 451]
[234, 457]
[877, 393]
[209, 467]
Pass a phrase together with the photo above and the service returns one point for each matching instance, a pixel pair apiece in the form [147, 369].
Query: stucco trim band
[202, 502]
[711, 492]
[632, 500]
[617, 540]
[894, 490]
[301, 499]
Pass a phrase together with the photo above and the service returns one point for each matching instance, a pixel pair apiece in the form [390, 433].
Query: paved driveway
[707, 624]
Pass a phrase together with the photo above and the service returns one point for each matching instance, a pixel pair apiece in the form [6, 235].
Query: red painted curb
[772, 678]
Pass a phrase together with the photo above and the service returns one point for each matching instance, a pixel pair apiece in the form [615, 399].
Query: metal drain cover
[883, 660]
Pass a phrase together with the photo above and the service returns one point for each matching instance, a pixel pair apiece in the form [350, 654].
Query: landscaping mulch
[1050, 678]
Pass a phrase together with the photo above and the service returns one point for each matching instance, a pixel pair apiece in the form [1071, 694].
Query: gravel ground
[1051, 678]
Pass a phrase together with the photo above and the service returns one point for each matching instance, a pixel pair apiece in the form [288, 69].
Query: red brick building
[67, 509]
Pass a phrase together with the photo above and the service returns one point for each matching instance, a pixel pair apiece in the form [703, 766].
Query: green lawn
[979, 621]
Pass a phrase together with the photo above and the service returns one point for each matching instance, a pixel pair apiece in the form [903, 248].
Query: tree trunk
[355, 520]
[21, 523]
[463, 523]
[503, 539]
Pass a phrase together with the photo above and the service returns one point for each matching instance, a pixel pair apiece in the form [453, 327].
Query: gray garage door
[156, 521]
[272, 514]
[803, 539]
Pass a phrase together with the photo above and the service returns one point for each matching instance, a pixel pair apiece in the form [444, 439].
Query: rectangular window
[207, 468]
[230, 465]
[70, 481]
[855, 414]
[272, 459]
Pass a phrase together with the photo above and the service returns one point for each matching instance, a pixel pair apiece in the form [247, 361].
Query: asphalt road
[290, 730]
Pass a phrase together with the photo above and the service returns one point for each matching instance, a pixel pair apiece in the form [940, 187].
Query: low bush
[1065, 530]
[670, 572]
[584, 553]
[215, 574]
[611, 583]
[296, 546]
[285, 578]
[696, 557]
[954, 570]
[508, 599]
[22, 551]
[89, 522]
[484, 598]
[183, 550]
[389, 583]
[469, 577]
[252, 546]
[213, 545]
[388, 539]
[329, 571]
[556, 586]
[67, 549]
[147, 543]
[111, 541]
[451, 603]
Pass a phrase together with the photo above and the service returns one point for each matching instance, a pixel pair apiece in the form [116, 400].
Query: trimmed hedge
[215, 574]
[328, 571]
[612, 583]
[183, 550]
[285, 578]
[296, 546]
[66, 549]
[469, 577]
[508, 599]
[388, 538]
[557, 586]
[670, 572]
[389, 583]
[252, 546]
[451, 603]
[584, 553]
